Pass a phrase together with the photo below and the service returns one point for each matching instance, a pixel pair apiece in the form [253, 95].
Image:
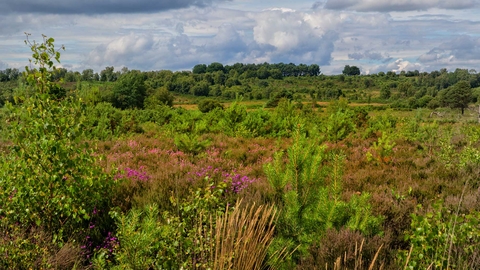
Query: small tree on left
[50, 180]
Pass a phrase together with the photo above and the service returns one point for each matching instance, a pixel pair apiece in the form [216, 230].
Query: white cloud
[398, 5]
[332, 38]
[296, 36]
[3, 65]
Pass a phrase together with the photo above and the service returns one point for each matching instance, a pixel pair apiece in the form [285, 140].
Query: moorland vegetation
[248, 166]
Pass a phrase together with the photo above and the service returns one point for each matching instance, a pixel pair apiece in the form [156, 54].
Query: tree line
[138, 89]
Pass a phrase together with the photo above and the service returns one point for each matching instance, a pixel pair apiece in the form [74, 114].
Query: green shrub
[443, 239]
[51, 179]
[207, 105]
[168, 240]
[308, 195]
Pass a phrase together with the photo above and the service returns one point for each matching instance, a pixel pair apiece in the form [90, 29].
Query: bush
[308, 194]
[208, 105]
[51, 179]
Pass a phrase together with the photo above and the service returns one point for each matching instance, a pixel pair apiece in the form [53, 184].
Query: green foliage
[384, 123]
[458, 96]
[130, 90]
[442, 239]
[285, 119]
[51, 178]
[385, 92]
[207, 105]
[32, 248]
[161, 96]
[258, 123]
[199, 69]
[308, 194]
[102, 121]
[351, 70]
[150, 239]
[277, 97]
[190, 143]
[233, 116]
[339, 123]
[382, 150]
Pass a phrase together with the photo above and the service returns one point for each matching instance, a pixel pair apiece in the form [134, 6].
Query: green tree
[50, 180]
[161, 96]
[108, 75]
[199, 69]
[459, 95]
[314, 70]
[215, 66]
[200, 89]
[87, 75]
[351, 70]
[385, 92]
[130, 91]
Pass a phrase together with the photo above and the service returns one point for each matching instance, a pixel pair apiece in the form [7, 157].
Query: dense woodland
[248, 166]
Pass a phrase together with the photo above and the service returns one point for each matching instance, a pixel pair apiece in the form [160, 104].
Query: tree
[87, 74]
[351, 70]
[385, 92]
[200, 89]
[51, 181]
[276, 74]
[215, 66]
[199, 69]
[263, 73]
[313, 70]
[459, 95]
[108, 75]
[130, 91]
[161, 96]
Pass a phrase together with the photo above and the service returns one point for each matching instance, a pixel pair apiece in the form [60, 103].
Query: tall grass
[242, 237]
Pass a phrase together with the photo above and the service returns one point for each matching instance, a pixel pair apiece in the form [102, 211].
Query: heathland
[244, 166]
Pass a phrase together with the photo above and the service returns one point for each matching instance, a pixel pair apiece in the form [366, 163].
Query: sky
[374, 35]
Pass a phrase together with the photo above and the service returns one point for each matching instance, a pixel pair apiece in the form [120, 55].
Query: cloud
[288, 35]
[3, 65]
[121, 51]
[460, 48]
[399, 5]
[168, 52]
[369, 55]
[396, 65]
[97, 7]
[277, 35]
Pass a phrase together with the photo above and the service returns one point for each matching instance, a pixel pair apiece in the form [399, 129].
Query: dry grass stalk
[408, 257]
[358, 259]
[242, 237]
[67, 257]
[372, 264]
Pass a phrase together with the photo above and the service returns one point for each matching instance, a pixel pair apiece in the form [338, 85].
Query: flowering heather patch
[236, 182]
[133, 174]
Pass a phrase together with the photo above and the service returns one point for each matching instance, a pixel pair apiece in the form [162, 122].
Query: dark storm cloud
[97, 7]
[404, 5]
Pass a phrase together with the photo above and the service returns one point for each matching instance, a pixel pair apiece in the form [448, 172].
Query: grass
[242, 237]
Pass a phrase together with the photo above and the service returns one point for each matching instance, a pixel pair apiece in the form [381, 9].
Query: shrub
[208, 105]
[443, 239]
[308, 194]
[51, 178]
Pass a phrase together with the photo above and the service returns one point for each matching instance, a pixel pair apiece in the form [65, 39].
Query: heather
[91, 184]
